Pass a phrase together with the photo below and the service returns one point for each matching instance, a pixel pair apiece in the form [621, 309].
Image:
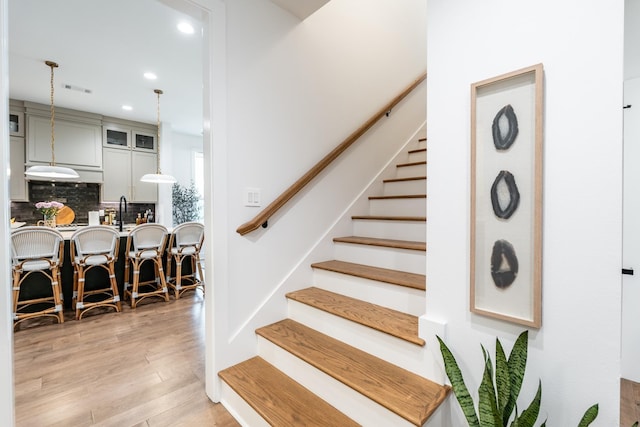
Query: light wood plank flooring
[629, 402]
[142, 367]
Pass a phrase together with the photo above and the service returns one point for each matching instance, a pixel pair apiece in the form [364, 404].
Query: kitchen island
[37, 285]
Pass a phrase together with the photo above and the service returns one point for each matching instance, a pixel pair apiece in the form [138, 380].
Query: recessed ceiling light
[127, 107]
[186, 28]
[150, 76]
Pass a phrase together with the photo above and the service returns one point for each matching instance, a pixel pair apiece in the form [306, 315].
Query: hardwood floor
[629, 402]
[142, 367]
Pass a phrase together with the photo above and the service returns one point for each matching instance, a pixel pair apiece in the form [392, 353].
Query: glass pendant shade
[51, 171]
[158, 177]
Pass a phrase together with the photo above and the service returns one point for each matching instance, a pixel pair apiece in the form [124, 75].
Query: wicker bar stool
[185, 243]
[36, 251]
[145, 244]
[94, 248]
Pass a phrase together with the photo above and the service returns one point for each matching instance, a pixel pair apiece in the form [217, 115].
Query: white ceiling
[106, 46]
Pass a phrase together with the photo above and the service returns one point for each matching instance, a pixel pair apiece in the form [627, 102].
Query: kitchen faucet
[122, 198]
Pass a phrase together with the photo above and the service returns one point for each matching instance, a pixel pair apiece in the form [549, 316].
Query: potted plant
[185, 203]
[49, 210]
[500, 388]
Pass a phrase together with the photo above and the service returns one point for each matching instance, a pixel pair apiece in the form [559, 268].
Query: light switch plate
[252, 197]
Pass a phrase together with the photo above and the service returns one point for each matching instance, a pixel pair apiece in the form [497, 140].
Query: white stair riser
[384, 229]
[397, 188]
[400, 298]
[409, 171]
[383, 257]
[243, 413]
[419, 156]
[398, 352]
[353, 404]
[395, 207]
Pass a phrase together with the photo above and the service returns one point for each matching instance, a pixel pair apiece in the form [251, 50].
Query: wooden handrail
[264, 215]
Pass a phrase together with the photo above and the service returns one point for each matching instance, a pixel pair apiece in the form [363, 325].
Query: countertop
[68, 230]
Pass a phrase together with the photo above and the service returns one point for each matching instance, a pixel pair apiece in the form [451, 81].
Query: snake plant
[499, 389]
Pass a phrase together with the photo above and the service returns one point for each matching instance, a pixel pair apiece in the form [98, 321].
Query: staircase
[349, 353]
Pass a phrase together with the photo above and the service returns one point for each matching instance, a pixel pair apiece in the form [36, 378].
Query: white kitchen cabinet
[77, 144]
[116, 169]
[122, 172]
[17, 182]
[143, 163]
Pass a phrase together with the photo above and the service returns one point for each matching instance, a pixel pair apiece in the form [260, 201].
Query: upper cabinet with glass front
[129, 136]
[144, 140]
[115, 137]
[16, 123]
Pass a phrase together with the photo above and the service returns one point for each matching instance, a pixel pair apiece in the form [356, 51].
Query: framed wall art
[506, 196]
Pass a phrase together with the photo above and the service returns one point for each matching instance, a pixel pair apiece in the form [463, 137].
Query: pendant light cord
[158, 92]
[52, 65]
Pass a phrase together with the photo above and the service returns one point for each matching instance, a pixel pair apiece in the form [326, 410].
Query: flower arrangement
[49, 209]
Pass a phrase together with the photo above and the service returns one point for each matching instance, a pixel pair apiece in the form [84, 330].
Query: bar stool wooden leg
[16, 292]
[57, 293]
[178, 287]
[79, 290]
[160, 275]
[114, 285]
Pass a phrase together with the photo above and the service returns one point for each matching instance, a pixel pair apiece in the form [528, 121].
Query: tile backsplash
[81, 197]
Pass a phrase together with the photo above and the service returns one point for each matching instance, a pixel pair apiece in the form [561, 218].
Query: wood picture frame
[506, 196]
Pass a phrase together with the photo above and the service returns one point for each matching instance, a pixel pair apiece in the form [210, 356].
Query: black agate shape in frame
[504, 264]
[504, 128]
[504, 191]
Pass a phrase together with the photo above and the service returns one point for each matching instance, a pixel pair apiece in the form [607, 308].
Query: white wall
[295, 90]
[182, 161]
[631, 39]
[630, 346]
[576, 353]
[6, 324]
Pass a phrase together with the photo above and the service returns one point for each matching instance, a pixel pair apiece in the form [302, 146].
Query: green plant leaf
[459, 387]
[503, 386]
[517, 363]
[590, 414]
[635, 424]
[487, 402]
[530, 415]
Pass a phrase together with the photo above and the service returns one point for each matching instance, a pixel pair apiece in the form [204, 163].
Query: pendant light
[159, 177]
[51, 171]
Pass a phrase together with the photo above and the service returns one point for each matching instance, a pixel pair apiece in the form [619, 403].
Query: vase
[48, 222]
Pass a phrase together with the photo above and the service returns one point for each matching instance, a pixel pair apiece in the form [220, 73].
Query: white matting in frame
[506, 196]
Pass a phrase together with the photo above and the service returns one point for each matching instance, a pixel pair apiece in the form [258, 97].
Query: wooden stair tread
[278, 398]
[394, 277]
[402, 165]
[417, 150]
[383, 319]
[412, 178]
[408, 395]
[390, 218]
[387, 243]
[402, 196]
[422, 139]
